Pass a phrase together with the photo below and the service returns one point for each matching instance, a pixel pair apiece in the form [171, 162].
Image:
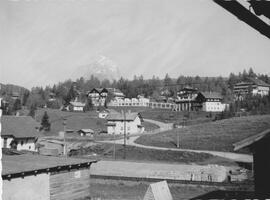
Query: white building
[117, 123]
[253, 86]
[211, 102]
[19, 132]
[76, 106]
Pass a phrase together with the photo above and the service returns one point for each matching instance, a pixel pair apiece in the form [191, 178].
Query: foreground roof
[26, 164]
[251, 140]
[19, 126]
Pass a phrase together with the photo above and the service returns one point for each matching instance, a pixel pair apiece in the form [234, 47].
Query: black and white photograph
[134, 99]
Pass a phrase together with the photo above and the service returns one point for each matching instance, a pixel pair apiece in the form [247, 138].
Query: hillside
[219, 135]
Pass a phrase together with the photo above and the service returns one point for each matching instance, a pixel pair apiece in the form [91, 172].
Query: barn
[32, 177]
[259, 145]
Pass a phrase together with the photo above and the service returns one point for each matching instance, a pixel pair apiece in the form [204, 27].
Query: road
[164, 127]
[161, 170]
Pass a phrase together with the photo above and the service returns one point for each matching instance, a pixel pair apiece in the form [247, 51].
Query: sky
[46, 41]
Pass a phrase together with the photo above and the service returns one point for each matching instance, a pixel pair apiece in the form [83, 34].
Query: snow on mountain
[102, 67]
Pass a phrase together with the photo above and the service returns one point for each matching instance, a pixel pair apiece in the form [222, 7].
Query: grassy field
[78, 120]
[110, 189]
[168, 116]
[105, 151]
[218, 135]
[123, 190]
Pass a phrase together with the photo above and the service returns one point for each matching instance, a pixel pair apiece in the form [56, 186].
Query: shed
[259, 145]
[31, 177]
[86, 132]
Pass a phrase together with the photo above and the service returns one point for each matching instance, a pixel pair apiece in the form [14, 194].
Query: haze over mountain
[102, 68]
[43, 42]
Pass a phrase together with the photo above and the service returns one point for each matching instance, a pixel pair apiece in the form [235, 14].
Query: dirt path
[164, 127]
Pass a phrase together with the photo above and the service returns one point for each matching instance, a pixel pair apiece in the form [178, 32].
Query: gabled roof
[258, 82]
[253, 81]
[14, 166]
[77, 104]
[120, 116]
[86, 130]
[251, 140]
[19, 126]
[211, 95]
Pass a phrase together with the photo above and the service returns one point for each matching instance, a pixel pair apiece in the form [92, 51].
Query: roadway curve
[164, 127]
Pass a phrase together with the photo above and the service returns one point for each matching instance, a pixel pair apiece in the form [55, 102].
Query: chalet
[32, 177]
[99, 95]
[259, 145]
[19, 132]
[76, 106]
[15, 95]
[86, 132]
[118, 123]
[103, 114]
[186, 99]
[252, 86]
[210, 102]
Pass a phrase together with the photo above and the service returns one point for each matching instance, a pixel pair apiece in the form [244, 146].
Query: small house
[119, 123]
[210, 102]
[76, 106]
[32, 177]
[103, 114]
[19, 132]
[86, 132]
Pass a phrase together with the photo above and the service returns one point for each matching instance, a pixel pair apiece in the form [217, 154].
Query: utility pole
[114, 143]
[125, 140]
[65, 146]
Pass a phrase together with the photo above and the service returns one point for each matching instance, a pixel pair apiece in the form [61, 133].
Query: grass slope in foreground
[218, 135]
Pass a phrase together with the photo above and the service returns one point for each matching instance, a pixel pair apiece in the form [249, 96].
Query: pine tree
[32, 111]
[45, 124]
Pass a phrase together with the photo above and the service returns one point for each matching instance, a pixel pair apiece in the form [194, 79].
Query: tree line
[67, 91]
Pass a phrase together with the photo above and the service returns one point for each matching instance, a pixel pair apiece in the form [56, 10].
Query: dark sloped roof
[211, 95]
[258, 82]
[251, 140]
[253, 81]
[26, 163]
[19, 126]
[120, 116]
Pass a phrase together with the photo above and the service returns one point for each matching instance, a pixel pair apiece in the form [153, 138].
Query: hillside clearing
[218, 135]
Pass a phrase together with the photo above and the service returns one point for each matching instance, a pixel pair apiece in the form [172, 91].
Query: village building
[252, 86]
[32, 177]
[99, 96]
[210, 102]
[19, 132]
[76, 106]
[119, 123]
[86, 132]
[186, 99]
[259, 145]
[15, 95]
[103, 114]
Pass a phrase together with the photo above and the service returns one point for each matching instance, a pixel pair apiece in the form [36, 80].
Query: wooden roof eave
[22, 174]
[251, 140]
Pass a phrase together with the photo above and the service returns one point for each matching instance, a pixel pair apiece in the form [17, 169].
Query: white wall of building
[8, 141]
[26, 144]
[77, 108]
[131, 127]
[213, 106]
[260, 90]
